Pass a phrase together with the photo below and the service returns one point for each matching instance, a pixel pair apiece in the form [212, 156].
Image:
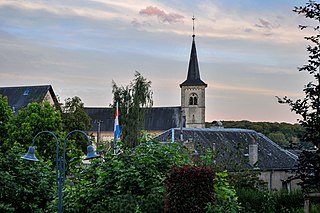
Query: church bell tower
[193, 92]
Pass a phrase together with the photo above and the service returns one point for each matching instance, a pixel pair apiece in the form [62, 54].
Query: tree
[24, 186]
[309, 106]
[36, 117]
[133, 100]
[6, 119]
[74, 117]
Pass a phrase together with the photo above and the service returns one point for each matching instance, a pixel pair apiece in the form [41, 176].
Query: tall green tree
[309, 106]
[6, 119]
[74, 117]
[133, 101]
[37, 117]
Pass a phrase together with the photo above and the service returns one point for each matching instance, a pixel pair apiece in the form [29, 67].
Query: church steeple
[193, 92]
[193, 77]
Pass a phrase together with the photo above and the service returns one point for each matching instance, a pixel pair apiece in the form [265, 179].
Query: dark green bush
[265, 202]
[189, 189]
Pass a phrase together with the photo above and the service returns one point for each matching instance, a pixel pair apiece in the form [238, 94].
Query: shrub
[226, 199]
[132, 181]
[264, 201]
[189, 189]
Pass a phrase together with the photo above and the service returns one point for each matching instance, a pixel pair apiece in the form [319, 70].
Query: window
[193, 99]
[26, 92]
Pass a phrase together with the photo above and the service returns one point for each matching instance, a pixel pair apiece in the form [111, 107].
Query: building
[193, 93]
[239, 149]
[20, 96]
[191, 113]
[157, 120]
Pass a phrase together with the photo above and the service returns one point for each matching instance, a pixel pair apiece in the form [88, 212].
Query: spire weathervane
[193, 18]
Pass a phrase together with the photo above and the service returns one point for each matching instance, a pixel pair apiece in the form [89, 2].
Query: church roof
[21, 96]
[193, 77]
[155, 119]
[232, 147]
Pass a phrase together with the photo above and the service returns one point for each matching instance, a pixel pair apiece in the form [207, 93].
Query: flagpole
[116, 129]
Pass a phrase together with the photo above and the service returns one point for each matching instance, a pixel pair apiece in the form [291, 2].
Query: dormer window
[193, 99]
[26, 92]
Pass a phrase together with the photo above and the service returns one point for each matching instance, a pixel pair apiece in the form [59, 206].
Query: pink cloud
[162, 15]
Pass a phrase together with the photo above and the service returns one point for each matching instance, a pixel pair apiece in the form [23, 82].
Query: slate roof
[21, 96]
[232, 145]
[193, 77]
[156, 118]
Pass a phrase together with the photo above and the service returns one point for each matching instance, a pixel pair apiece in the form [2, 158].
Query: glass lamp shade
[91, 153]
[30, 155]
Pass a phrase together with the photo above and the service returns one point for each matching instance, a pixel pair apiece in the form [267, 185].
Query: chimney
[253, 153]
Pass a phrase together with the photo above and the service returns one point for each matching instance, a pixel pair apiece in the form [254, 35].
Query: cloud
[136, 23]
[264, 24]
[162, 15]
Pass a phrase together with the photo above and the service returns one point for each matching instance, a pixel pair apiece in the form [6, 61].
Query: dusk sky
[248, 50]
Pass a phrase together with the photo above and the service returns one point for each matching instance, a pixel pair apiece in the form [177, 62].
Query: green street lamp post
[60, 161]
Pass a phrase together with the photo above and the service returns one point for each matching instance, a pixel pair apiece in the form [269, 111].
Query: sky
[248, 51]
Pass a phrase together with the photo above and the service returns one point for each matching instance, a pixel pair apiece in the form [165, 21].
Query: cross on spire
[193, 18]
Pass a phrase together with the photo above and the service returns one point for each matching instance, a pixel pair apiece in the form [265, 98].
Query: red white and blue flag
[116, 125]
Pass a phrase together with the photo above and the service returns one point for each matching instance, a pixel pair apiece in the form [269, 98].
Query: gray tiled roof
[232, 145]
[21, 96]
[156, 118]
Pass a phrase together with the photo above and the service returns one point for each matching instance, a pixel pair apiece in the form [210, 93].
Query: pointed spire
[193, 18]
[193, 78]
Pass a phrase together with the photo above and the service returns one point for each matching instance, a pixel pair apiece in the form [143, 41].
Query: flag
[116, 125]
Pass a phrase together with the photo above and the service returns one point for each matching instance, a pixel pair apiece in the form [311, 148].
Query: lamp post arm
[57, 148]
[65, 142]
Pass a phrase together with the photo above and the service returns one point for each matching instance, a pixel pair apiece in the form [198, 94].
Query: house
[238, 149]
[21, 96]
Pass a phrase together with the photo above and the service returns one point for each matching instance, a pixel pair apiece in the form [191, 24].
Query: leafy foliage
[133, 100]
[132, 180]
[257, 201]
[74, 117]
[189, 189]
[24, 186]
[309, 107]
[36, 117]
[6, 119]
[285, 134]
[225, 195]
[309, 171]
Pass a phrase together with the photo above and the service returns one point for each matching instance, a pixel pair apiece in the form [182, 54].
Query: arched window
[193, 99]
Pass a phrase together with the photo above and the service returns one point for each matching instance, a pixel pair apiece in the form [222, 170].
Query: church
[190, 114]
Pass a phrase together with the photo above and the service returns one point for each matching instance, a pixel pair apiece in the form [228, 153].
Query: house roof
[156, 118]
[21, 96]
[193, 77]
[232, 146]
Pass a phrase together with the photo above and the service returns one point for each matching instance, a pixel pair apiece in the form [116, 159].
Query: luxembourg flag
[116, 124]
